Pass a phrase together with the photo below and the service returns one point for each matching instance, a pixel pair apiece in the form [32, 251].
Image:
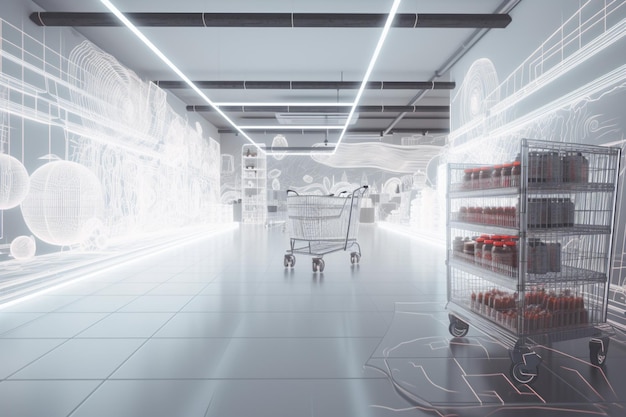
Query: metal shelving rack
[253, 185]
[557, 206]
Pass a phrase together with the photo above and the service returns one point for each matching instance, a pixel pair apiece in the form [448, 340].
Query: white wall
[156, 166]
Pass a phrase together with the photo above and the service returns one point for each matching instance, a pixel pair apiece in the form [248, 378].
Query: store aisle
[217, 328]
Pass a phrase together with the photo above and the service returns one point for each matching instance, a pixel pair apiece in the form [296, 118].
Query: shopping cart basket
[318, 225]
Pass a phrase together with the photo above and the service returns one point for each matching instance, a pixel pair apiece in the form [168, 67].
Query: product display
[552, 167]
[530, 242]
[254, 185]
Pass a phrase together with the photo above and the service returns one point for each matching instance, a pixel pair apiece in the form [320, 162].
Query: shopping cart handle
[363, 187]
[292, 191]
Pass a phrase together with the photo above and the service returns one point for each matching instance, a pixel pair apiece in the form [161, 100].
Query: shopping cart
[318, 225]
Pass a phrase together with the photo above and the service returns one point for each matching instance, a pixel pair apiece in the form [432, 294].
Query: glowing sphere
[23, 248]
[13, 182]
[63, 197]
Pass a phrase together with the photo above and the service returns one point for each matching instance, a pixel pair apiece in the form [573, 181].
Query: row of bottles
[543, 167]
[500, 253]
[542, 310]
[496, 176]
[497, 216]
[494, 252]
[541, 213]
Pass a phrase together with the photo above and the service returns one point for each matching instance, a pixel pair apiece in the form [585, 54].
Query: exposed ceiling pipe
[274, 20]
[321, 109]
[270, 131]
[311, 85]
[505, 7]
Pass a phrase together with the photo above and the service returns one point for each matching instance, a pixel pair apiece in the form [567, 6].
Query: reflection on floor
[470, 376]
[219, 327]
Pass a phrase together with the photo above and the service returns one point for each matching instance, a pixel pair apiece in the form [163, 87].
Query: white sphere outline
[23, 248]
[63, 197]
[279, 141]
[14, 182]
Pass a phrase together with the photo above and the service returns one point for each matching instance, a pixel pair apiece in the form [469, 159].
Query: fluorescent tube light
[279, 104]
[173, 67]
[291, 127]
[370, 67]
[170, 64]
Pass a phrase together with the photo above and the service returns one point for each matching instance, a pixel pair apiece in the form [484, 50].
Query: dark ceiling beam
[382, 117]
[310, 85]
[321, 109]
[275, 20]
[270, 131]
[302, 149]
[503, 9]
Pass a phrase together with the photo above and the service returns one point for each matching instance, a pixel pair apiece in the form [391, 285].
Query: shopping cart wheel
[289, 261]
[523, 374]
[355, 258]
[598, 349]
[318, 264]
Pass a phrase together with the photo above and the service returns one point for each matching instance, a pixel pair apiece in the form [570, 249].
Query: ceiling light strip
[292, 127]
[173, 67]
[370, 68]
[282, 104]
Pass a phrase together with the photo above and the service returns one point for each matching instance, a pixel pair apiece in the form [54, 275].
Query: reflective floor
[222, 328]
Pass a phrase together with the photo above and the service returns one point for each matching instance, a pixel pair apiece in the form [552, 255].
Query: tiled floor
[220, 328]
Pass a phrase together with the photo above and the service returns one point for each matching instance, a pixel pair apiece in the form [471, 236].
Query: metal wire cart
[319, 225]
[529, 247]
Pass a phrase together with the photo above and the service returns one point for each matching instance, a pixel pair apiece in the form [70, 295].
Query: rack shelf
[529, 248]
[253, 185]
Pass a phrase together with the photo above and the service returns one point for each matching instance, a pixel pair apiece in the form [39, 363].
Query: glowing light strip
[116, 264]
[370, 68]
[292, 127]
[158, 53]
[279, 104]
[174, 68]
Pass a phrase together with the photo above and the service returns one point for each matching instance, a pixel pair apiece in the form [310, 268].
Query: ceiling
[410, 91]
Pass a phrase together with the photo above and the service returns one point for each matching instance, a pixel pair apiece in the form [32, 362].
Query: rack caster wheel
[598, 349]
[457, 328]
[525, 364]
[318, 265]
[523, 374]
[289, 261]
[355, 258]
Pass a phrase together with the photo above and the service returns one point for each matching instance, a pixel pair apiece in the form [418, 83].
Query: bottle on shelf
[467, 179]
[505, 179]
[496, 176]
[486, 260]
[475, 178]
[575, 167]
[554, 256]
[478, 250]
[537, 257]
[484, 177]
[516, 173]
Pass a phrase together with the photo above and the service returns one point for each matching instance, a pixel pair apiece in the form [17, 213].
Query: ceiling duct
[310, 85]
[356, 131]
[274, 20]
[314, 119]
[320, 109]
